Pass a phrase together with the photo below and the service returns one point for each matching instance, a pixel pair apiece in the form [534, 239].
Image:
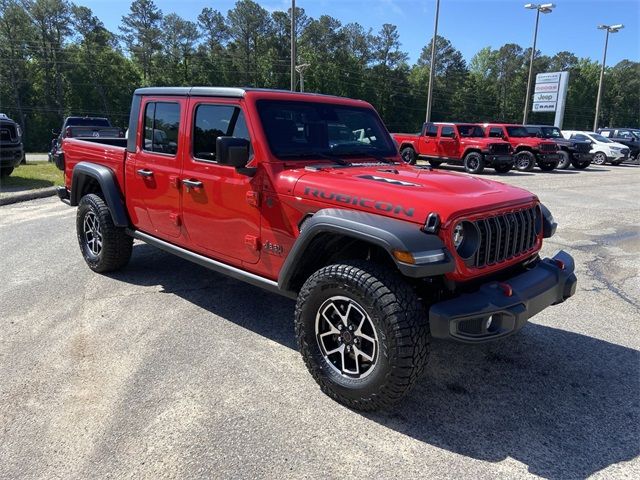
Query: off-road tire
[409, 155]
[400, 323]
[503, 168]
[581, 165]
[565, 160]
[599, 158]
[6, 171]
[474, 162]
[547, 166]
[116, 246]
[524, 161]
[435, 163]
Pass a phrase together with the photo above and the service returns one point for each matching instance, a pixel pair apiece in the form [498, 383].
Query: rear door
[152, 182]
[220, 205]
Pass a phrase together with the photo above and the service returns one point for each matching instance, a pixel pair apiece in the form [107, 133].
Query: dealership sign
[550, 94]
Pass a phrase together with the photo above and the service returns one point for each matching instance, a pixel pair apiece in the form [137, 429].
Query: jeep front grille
[505, 236]
[583, 147]
[499, 148]
[548, 147]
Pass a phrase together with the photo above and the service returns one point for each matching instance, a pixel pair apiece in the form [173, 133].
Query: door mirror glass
[232, 151]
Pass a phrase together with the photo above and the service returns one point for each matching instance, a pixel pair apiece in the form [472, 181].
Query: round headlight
[466, 239]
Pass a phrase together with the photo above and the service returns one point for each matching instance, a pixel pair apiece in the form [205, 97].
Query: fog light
[489, 321]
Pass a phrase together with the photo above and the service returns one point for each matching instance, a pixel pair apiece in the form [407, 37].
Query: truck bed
[110, 152]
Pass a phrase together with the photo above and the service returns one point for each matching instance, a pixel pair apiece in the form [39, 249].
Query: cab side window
[447, 131]
[161, 126]
[213, 121]
[495, 132]
[431, 130]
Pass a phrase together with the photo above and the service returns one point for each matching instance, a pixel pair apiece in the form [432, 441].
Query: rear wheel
[6, 171]
[408, 155]
[503, 168]
[362, 333]
[474, 163]
[599, 158]
[104, 246]
[524, 161]
[565, 160]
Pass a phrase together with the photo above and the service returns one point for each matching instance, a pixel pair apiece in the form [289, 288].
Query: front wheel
[547, 166]
[104, 246]
[503, 168]
[525, 161]
[363, 334]
[565, 160]
[599, 158]
[409, 156]
[474, 163]
[581, 165]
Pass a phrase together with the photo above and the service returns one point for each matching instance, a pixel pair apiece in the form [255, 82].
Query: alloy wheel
[92, 233]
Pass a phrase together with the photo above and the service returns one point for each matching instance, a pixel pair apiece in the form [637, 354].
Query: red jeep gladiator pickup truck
[459, 143]
[528, 148]
[305, 195]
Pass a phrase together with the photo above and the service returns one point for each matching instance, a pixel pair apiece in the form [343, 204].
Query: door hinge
[175, 218]
[253, 198]
[252, 242]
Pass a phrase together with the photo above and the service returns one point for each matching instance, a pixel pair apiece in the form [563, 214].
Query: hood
[406, 192]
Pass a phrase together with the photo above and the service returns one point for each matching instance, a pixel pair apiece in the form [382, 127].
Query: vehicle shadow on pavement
[566, 405]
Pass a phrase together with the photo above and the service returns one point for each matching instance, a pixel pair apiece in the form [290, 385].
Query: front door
[428, 140]
[220, 206]
[448, 143]
[156, 168]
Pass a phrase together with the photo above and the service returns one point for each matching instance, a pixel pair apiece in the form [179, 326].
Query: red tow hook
[559, 263]
[506, 289]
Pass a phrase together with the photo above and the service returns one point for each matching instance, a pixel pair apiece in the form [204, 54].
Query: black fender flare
[387, 233]
[108, 184]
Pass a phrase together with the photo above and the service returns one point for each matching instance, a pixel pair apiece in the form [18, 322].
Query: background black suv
[572, 152]
[11, 149]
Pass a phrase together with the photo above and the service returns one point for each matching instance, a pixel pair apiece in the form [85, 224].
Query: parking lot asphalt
[168, 370]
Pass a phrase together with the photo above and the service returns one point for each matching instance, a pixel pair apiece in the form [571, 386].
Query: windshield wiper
[368, 153]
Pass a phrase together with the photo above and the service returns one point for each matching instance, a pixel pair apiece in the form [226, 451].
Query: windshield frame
[302, 154]
[472, 127]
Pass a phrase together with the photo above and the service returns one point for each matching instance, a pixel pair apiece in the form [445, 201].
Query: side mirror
[54, 132]
[504, 137]
[232, 151]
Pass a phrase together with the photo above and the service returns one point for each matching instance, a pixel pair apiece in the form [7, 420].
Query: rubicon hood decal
[363, 202]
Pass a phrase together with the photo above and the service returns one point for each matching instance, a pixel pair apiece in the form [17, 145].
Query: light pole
[609, 29]
[432, 64]
[293, 45]
[544, 8]
[300, 69]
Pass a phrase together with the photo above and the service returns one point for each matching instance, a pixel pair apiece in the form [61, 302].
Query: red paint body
[437, 146]
[234, 216]
[535, 144]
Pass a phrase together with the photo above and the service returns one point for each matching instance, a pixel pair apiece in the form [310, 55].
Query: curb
[28, 195]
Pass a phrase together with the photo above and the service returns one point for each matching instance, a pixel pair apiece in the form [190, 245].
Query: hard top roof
[232, 92]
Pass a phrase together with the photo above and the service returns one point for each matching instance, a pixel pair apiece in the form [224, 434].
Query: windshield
[88, 122]
[470, 131]
[310, 129]
[545, 132]
[518, 132]
[599, 138]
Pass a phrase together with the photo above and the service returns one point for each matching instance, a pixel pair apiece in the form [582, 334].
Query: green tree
[141, 33]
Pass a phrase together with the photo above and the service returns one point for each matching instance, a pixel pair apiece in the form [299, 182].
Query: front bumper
[582, 157]
[10, 156]
[548, 157]
[498, 159]
[465, 318]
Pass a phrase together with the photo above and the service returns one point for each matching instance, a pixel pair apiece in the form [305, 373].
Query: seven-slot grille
[505, 236]
[583, 147]
[548, 147]
[499, 148]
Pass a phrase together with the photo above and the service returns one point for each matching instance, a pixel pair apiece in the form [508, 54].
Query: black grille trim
[500, 148]
[505, 236]
[548, 147]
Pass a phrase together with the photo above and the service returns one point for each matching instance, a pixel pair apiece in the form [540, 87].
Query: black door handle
[143, 172]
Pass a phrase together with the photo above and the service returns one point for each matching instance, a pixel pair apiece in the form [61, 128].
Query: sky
[469, 24]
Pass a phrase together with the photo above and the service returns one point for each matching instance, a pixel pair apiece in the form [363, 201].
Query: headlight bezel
[470, 241]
